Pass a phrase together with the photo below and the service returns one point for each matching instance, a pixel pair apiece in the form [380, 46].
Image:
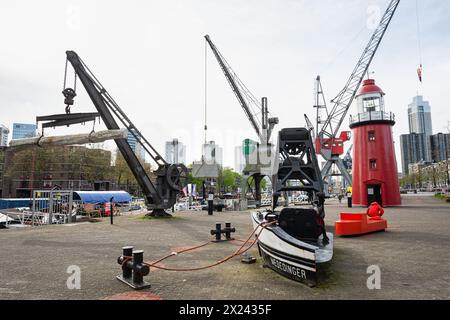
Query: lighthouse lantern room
[374, 169]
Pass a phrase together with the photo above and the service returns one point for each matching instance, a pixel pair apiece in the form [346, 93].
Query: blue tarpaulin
[14, 203]
[101, 196]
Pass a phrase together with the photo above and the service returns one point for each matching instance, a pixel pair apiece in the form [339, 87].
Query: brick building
[69, 167]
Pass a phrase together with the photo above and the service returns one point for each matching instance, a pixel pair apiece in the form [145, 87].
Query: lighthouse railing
[372, 116]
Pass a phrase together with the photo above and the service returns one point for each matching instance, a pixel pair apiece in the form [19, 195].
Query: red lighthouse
[374, 166]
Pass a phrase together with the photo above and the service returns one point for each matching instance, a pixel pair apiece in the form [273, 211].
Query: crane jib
[343, 100]
[238, 88]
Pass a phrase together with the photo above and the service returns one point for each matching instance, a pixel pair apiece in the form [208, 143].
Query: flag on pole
[419, 73]
[194, 190]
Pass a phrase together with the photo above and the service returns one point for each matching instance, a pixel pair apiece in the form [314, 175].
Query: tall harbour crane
[256, 112]
[329, 141]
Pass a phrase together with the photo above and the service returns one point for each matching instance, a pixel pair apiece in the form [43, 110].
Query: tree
[407, 181]
[29, 163]
[229, 178]
[123, 176]
[93, 164]
[263, 183]
[121, 172]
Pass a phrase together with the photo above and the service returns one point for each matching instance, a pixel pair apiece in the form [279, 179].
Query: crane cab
[335, 145]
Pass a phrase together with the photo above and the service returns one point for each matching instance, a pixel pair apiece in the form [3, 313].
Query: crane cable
[419, 43]
[65, 78]
[206, 89]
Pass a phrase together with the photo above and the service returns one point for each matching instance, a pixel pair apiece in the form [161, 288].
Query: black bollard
[228, 230]
[127, 252]
[349, 202]
[210, 204]
[139, 269]
[111, 209]
[210, 207]
[218, 232]
[133, 268]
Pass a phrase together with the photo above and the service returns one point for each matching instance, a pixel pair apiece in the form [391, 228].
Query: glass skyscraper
[419, 116]
[419, 119]
[23, 130]
[136, 146]
[416, 146]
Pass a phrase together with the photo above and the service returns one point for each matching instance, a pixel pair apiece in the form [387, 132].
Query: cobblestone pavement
[413, 255]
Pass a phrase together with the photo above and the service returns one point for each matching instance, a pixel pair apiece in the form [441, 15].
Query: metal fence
[52, 206]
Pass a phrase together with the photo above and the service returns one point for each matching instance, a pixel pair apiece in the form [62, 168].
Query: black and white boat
[294, 241]
[283, 248]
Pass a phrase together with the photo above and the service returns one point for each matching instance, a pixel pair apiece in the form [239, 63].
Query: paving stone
[413, 256]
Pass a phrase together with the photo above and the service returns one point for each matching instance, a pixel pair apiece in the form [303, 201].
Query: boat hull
[288, 256]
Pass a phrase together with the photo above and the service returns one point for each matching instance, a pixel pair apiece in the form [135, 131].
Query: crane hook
[69, 94]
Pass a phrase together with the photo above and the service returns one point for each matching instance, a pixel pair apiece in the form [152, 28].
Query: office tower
[175, 152]
[440, 147]
[135, 145]
[413, 148]
[419, 119]
[23, 130]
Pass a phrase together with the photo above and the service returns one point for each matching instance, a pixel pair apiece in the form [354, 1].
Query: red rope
[236, 253]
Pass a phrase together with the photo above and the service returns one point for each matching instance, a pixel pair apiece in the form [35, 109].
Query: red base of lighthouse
[374, 171]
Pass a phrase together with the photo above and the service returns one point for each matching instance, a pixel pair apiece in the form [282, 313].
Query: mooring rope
[240, 251]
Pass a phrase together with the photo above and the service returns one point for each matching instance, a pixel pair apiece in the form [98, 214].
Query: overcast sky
[150, 55]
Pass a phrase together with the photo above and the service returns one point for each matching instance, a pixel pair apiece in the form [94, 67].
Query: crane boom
[310, 127]
[345, 98]
[252, 108]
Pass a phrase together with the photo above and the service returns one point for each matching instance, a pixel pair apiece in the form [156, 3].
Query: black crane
[256, 112]
[160, 194]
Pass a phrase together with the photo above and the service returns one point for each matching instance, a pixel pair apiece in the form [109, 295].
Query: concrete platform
[413, 255]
